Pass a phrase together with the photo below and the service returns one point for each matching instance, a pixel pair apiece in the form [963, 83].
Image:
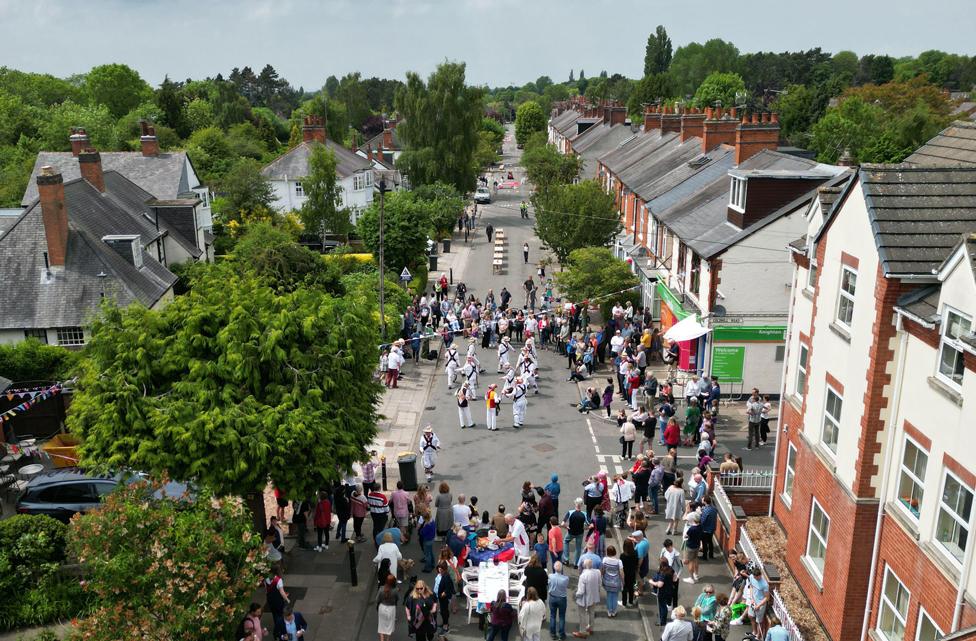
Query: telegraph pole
[382, 186]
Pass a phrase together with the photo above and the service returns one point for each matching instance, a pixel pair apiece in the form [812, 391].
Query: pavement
[492, 465]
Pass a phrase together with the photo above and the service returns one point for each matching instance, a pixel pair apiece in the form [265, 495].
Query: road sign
[405, 275]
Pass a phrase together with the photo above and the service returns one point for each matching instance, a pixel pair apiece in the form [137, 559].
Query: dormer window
[737, 194]
[951, 366]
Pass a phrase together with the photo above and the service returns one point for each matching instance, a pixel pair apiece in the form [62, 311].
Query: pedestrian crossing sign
[405, 275]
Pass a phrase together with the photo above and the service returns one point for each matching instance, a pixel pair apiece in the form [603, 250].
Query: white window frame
[789, 474]
[369, 178]
[71, 336]
[923, 615]
[885, 604]
[834, 420]
[737, 194]
[811, 276]
[964, 523]
[358, 182]
[299, 189]
[844, 295]
[953, 343]
[821, 538]
[802, 367]
[904, 471]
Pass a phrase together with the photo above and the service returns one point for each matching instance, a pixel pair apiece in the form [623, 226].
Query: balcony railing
[750, 478]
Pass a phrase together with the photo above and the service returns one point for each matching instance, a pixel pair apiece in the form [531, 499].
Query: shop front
[673, 312]
[747, 356]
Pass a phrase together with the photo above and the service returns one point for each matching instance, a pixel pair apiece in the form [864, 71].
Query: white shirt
[622, 492]
[388, 551]
[616, 343]
[395, 360]
[520, 538]
[462, 514]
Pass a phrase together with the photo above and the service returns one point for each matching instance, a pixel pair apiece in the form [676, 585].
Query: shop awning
[686, 330]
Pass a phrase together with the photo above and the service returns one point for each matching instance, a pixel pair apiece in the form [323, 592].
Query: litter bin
[433, 262]
[447, 245]
[407, 462]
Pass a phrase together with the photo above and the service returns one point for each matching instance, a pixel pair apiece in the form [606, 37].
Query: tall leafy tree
[118, 87]
[799, 107]
[170, 102]
[352, 93]
[693, 62]
[231, 385]
[875, 69]
[442, 118]
[719, 87]
[658, 52]
[545, 167]
[648, 90]
[529, 119]
[592, 272]
[573, 216]
[571, 78]
[322, 211]
[244, 190]
[406, 225]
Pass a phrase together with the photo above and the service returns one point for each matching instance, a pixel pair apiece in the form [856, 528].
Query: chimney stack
[670, 121]
[652, 119]
[90, 163]
[79, 140]
[54, 214]
[313, 129]
[754, 135]
[150, 145]
[388, 137]
[618, 115]
[718, 128]
[692, 125]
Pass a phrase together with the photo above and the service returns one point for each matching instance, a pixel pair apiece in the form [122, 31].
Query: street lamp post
[382, 186]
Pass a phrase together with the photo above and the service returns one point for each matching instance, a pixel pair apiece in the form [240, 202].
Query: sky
[503, 42]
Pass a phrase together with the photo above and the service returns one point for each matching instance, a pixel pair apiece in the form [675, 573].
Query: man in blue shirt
[709, 520]
[575, 523]
[758, 600]
[714, 395]
[591, 555]
[553, 488]
[558, 586]
[776, 631]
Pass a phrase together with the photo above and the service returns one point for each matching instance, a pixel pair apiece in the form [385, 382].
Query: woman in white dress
[386, 606]
[674, 509]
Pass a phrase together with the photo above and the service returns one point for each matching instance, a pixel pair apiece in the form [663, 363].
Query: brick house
[873, 488]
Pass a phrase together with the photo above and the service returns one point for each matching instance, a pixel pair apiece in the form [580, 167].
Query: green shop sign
[664, 292]
[749, 333]
[728, 363]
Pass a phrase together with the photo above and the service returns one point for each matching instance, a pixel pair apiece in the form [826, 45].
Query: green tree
[322, 212]
[545, 167]
[875, 70]
[331, 86]
[279, 262]
[244, 139]
[211, 153]
[38, 89]
[694, 62]
[166, 568]
[170, 103]
[406, 225]
[799, 107]
[649, 90]
[352, 93]
[574, 216]
[32, 360]
[17, 118]
[219, 381]
[199, 114]
[719, 87]
[845, 63]
[594, 272]
[118, 87]
[495, 129]
[244, 190]
[658, 52]
[529, 119]
[444, 204]
[442, 118]
[53, 131]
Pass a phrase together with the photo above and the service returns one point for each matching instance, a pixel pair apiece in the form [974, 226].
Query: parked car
[482, 196]
[62, 493]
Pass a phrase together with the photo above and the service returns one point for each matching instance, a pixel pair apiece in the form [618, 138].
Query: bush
[32, 360]
[32, 551]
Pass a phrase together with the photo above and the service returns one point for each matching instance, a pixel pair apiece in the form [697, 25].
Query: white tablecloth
[491, 579]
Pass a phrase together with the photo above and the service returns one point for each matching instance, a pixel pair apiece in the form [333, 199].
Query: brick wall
[752, 502]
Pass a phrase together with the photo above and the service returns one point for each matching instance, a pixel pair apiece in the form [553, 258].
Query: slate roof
[922, 303]
[701, 220]
[635, 150]
[377, 140]
[918, 213]
[566, 122]
[640, 176]
[69, 297]
[7, 221]
[135, 200]
[598, 140]
[687, 178]
[293, 164]
[164, 176]
[954, 145]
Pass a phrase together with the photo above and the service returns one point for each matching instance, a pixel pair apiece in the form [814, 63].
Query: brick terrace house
[874, 487]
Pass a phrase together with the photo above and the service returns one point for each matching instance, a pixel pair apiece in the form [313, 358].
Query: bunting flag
[34, 397]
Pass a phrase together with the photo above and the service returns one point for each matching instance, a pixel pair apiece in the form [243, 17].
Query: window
[68, 336]
[299, 190]
[369, 179]
[204, 200]
[789, 475]
[912, 477]
[817, 539]
[780, 353]
[812, 276]
[76, 493]
[952, 527]
[951, 366]
[801, 370]
[36, 334]
[737, 195]
[893, 609]
[359, 182]
[695, 273]
[845, 300]
[831, 424]
[927, 630]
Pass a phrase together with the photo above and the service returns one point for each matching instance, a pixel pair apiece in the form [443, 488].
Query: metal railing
[748, 548]
[752, 478]
[784, 616]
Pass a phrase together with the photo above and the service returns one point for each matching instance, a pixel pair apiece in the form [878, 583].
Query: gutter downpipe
[780, 427]
[885, 473]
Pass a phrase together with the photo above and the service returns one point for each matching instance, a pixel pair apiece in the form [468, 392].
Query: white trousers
[464, 416]
[451, 375]
[502, 361]
[490, 418]
[518, 411]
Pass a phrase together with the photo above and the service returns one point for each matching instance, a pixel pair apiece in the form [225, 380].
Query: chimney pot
[733, 113]
[90, 164]
[54, 215]
[765, 116]
[148, 140]
[313, 129]
[79, 140]
[775, 117]
[750, 140]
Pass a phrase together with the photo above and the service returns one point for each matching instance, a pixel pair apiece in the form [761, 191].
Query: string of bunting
[539, 313]
[54, 390]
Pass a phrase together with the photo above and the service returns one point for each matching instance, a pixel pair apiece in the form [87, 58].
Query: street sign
[728, 362]
[405, 275]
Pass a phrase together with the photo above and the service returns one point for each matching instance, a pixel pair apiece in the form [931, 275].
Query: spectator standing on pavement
[421, 610]
[674, 506]
[525, 253]
[369, 471]
[300, 512]
[489, 231]
[754, 414]
[709, 521]
[575, 523]
[402, 507]
[663, 582]
[767, 407]
[323, 521]
[587, 596]
[461, 513]
[445, 512]
[379, 509]
[386, 602]
[359, 508]
[628, 563]
[558, 589]
[758, 601]
[503, 616]
[776, 631]
[252, 622]
[530, 616]
[612, 569]
[444, 591]
[678, 629]
[553, 488]
[291, 626]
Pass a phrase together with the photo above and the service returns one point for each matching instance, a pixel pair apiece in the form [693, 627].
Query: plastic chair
[515, 596]
[471, 593]
[469, 575]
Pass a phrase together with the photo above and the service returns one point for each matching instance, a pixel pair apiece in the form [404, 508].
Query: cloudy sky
[502, 41]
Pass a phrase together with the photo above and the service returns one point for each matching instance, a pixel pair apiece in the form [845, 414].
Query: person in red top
[672, 433]
[491, 406]
[442, 294]
[323, 520]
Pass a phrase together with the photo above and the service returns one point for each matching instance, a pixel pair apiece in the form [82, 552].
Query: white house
[355, 173]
